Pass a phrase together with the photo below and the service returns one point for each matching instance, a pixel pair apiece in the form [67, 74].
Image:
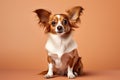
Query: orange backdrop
[22, 41]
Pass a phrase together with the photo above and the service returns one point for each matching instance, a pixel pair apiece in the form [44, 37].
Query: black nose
[59, 28]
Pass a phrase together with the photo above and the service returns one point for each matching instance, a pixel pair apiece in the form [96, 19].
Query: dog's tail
[43, 72]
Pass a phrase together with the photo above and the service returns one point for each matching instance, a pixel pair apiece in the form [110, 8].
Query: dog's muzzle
[60, 29]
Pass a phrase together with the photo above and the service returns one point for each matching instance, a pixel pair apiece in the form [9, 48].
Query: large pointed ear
[43, 16]
[74, 13]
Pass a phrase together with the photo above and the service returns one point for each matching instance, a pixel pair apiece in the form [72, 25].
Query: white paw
[48, 76]
[71, 75]
[76, 74]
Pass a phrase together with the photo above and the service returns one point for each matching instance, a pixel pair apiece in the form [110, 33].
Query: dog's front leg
[50, 68]
[70, 69]
[50, 71]
[70, 73]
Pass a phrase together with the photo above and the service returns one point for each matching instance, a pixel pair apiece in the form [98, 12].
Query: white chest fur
[60, 45]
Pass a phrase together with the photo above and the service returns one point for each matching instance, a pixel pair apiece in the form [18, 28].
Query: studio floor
[33, 75]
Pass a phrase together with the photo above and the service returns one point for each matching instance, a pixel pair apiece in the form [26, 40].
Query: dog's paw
[71, 76]
[48, 76]
[76, 74]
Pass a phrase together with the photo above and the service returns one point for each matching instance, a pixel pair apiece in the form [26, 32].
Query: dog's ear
[43, 15]
[74, 13]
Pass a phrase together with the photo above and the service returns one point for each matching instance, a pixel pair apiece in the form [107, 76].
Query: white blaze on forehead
[58, 16]
[59, 22]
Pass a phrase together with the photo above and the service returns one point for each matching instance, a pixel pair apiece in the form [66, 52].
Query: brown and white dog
[63, 58]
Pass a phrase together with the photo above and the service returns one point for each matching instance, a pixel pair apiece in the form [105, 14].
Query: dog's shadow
[84, 74]
[88, 73]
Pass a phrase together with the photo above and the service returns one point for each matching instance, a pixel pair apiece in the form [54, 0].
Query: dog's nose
[59, 28]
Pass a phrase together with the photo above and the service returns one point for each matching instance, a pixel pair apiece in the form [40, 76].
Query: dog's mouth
[60, 31]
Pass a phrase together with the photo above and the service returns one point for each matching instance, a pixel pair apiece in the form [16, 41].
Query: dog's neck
[60, 44]
[60, 39]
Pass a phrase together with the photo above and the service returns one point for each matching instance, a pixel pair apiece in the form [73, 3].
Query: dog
[63, 58]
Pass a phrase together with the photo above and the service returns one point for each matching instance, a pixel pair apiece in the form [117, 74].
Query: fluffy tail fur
[43, 72]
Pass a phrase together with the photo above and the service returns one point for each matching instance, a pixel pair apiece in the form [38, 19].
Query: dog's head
[59, 23]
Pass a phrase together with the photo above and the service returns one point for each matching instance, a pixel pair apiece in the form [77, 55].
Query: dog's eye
[65, 22]
[53, 23]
